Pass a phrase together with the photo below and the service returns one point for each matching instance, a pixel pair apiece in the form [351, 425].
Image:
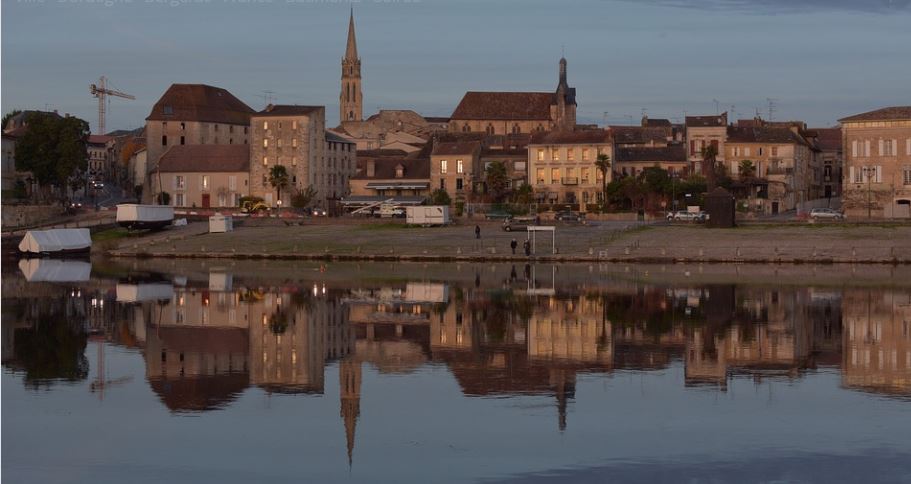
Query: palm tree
[747, 170]
[278, 178]
[709, 156]
[603, 164]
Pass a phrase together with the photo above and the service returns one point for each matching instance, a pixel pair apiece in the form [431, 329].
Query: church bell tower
[350, 99]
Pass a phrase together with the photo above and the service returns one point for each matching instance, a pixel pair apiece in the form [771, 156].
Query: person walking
[513, 245]
[527, 246]
[477, 231]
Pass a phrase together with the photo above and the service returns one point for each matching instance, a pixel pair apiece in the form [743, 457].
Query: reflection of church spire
[564, 384]
[350, 390]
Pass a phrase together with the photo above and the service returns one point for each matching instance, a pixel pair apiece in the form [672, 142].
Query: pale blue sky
[819, 59]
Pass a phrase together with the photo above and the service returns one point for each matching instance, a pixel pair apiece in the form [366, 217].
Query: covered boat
[56, 241]
[135, 216]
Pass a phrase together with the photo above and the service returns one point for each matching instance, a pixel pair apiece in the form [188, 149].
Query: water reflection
[499, 331]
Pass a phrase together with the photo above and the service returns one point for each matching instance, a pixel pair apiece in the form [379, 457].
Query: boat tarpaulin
[56, 240]
[55, 270]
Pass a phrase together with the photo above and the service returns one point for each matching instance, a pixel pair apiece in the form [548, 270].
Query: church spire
[351, 101]
[351, 50]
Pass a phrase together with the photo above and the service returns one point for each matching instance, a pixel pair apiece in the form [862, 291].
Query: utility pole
[772, 107]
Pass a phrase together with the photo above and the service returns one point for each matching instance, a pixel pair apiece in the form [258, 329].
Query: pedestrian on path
[513, 246]
[477, 231]
[527, 246]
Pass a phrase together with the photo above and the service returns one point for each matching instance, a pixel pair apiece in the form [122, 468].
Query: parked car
[496, 215]
[518, 223]
[319, 212]
[685, 216]
[97, 185]
[569, 216]
[826, 214]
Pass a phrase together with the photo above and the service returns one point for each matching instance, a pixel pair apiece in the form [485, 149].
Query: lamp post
[869, 172]
[674, 190]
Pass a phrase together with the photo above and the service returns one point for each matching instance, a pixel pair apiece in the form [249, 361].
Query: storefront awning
[398, 185]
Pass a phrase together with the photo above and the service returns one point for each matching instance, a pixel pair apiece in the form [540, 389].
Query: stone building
[204, 176]
[101, 156]
[877, 150]
[390, 129]
[455, 167]
[702, 132]
[631, 161]
[877, 341]
[293, 137]
[561, 165]
[385, 176]
[831, 157]
[517, 112]
[778, 155]
[194, 114]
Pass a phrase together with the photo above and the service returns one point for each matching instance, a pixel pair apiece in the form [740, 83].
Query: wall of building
[865, 148]
[224, 189]
[501, 126]
[567, 173]
[296, 142]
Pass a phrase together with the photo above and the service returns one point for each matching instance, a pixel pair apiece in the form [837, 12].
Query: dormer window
[167, 109]
[399, 171]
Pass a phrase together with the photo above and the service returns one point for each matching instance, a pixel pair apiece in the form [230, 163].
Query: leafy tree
[747, 170]
[440, 197]
[523, 195]
[279, 179]
[7, 116]
[164, 198]
[302, 198]
[497, 180]
[603, 164]
[53, 149]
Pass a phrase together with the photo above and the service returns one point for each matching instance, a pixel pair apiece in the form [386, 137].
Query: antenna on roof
[267, 97]
[772, 107]
[717, 111]
[605, 118]
[733, 114]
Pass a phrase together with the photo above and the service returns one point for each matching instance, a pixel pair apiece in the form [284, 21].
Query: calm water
[189, 371]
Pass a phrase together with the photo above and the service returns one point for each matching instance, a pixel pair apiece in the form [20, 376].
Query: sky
[817, 60]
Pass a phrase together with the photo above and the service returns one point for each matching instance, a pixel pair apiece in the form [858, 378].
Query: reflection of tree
[278, 322]
[52, 349]
[502, 308]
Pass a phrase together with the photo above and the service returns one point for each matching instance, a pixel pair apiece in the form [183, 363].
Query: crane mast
[101, 91]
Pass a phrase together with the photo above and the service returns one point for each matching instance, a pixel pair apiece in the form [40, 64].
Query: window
[489, 129]
[205, 182]
[555, 154]
[906, 175]
[443, 167]
[516, 129]
[459, 167]
[443, 184]
[294, 124]
[570, 154]
[774, 151]
[294, 143]
[555, 175]
[519, 166]
[232, 182]
[180, 182]
[458, 183]
[889, 148]
[279, 125]
[183, 141]
[216, 127]
[539, 176]
[293, 161]
[746, 151]
[265, 125]
[183, 126]
[179, 200]
[908, 146]
[279, 142]
[265, 142]
[540, 154]
[164, 140]
[760, 151]
[585, 174]
[265, 160]
[585, 154]
[167, 110]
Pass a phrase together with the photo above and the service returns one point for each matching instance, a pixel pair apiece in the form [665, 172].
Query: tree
[302, 198]
[524, 195]
[440, 197]
[164, 198]
[278, 178]
[709, 158]
[53, 149]
[497, 180]
[603, 165]
[747, 170]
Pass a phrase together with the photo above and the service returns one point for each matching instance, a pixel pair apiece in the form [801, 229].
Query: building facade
[702, 132]
[455, 167]
[877, 150]
[194, 114]
[204, 176]
[562, 166]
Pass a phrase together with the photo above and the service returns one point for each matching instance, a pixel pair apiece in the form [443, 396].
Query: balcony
[570, 180]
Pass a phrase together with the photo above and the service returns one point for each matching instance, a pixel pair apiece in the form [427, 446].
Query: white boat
[56, 241]
[135, 216]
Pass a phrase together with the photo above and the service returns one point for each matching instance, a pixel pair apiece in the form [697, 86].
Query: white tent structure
[59, 241]
[55, 270]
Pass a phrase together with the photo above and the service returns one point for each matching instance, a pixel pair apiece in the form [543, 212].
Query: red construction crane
[101, 91]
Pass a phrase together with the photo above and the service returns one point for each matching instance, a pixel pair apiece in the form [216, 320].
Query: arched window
[466, 128]
[516, 129]
[351, 115]
[489, 129]
[540, 127]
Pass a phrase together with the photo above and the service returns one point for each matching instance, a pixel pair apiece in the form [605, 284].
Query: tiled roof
[436, 119]
[639, 135]
[763, 135]
[828, 139]
[706, 121]
[656, 123]
[380, 153]
[894, 112]
[384, 169]
[287, 110]
[456, 148]
[99, 139]
[640, 154]
[199, 102]
[330, 136]
[206, 158]
[587, 136]
[505, 106]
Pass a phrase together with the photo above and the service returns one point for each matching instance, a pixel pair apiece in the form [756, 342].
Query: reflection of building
[571, 331]
[877, 341]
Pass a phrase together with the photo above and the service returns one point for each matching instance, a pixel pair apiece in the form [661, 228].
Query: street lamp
[674, 190]
[869, 172]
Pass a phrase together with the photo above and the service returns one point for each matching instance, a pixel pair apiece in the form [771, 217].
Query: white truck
[134, 216]
[427, 215]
